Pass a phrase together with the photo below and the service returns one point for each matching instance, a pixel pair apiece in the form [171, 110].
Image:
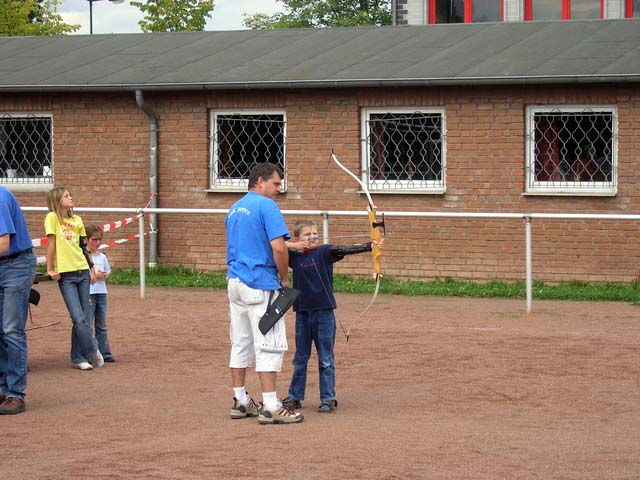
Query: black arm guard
[342, 250]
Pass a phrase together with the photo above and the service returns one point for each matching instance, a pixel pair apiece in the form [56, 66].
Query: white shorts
[246, 306]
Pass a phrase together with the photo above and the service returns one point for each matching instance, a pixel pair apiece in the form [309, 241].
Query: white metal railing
[526, 217]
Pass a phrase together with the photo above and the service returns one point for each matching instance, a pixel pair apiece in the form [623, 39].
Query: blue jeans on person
[74, 287]
[98, 315]
[16, 279]
[317, 327]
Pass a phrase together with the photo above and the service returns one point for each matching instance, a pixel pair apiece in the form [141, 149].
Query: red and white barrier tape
[107, 227]
[122, 240]
[43, 260]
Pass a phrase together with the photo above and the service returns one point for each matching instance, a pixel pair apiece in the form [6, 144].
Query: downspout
[394, 20]
[153, 175]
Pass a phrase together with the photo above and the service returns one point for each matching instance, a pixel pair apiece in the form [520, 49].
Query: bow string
[376, 237]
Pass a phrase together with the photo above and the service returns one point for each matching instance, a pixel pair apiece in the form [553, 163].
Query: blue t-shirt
[12, 223]
[313, 276]
[252, 222]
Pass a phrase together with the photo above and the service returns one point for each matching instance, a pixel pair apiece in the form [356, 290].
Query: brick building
[488, 117]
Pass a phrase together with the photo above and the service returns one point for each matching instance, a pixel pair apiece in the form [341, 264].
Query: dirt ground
[435, 388]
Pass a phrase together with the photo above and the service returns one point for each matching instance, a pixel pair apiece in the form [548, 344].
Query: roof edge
[330, 84]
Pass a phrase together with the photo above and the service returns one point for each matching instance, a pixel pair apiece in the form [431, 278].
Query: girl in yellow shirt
[70, 264]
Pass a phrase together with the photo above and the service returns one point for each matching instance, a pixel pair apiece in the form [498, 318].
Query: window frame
[565, 10]
[528, 10]
[468, 11]
[629, 11]
[238, 185]
[569, 188]
[45, 182]
[378, 186]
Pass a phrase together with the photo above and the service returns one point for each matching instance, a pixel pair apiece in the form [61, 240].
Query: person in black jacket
[312, 265]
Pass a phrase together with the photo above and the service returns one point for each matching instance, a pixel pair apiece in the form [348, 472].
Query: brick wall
[101, 153]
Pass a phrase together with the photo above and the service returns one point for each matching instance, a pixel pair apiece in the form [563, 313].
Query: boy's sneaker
[240, 410]
[282, 414]
[328, 406]
[291, 403]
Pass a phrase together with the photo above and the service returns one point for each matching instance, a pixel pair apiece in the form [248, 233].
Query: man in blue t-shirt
[17, 269]
[257, 261]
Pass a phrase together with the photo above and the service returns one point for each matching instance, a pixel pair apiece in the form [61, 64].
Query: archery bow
[376, 237]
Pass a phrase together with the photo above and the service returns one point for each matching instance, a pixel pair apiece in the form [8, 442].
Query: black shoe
[328, 406]
[291, 403]
[109, 359]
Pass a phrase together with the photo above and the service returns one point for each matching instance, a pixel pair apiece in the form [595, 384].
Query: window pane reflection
[449, 11]
[487, 10]
[546, 9]
[585, 9]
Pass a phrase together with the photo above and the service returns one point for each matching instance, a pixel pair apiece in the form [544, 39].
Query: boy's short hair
[92, 229]
[300, 224]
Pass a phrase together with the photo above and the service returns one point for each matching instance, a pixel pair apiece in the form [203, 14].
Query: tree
[32, 17]
[324, 13]
[174, 15]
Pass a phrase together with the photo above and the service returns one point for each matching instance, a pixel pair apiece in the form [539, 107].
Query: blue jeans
[319, 327]
[74, 287]
[16, 279]
[98, 315]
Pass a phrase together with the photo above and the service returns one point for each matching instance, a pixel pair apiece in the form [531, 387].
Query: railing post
[528, 266]
[141, 248]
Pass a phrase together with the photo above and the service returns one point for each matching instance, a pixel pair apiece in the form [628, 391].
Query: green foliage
[174, 15]
[189, 277]
[32, 17]
[324, 13]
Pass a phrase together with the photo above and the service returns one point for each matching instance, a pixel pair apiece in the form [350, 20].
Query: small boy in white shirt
[98, 291]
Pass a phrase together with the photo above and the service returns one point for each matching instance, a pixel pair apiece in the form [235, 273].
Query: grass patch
[610, 292]
[169, 277]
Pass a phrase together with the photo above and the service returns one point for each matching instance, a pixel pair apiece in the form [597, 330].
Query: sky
[123, 18]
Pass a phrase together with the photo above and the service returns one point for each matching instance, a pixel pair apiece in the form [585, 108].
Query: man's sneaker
[240, 410]
[11, 406]
[291, 403]
[97, 360]
[282, 414]
[328, 406]
[83, 366]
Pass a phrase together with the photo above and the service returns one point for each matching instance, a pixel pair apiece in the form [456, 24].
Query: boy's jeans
[98, 315]
[16, 279]
[319, 327]
[74, 287]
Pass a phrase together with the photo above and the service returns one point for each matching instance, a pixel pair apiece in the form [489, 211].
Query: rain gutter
[335, 83]
[153, 175]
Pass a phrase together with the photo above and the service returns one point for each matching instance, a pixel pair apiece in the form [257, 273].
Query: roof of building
[593, 51]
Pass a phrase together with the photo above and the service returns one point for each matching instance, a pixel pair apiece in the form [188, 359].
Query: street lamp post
[91, 12]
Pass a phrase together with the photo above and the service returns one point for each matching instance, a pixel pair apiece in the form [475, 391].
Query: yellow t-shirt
[69, 256]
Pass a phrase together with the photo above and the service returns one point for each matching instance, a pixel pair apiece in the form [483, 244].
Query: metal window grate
[405, 151]
[242, 140]
[572, 150]
[26, 152]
